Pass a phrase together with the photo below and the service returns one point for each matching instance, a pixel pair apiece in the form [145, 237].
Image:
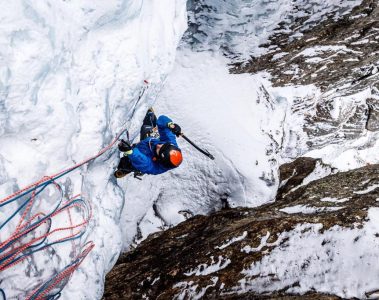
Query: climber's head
[169, 155]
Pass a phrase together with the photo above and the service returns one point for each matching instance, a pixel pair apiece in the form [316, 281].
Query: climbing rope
[60, 174]
[60, 280]
[35, 231]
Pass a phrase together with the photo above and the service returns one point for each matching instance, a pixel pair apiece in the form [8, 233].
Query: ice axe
[205, 152]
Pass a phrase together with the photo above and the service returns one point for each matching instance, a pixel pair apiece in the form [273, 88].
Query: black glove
[124, 146]
[175, 128]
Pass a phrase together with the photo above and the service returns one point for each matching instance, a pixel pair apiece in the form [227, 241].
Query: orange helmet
[170, 155]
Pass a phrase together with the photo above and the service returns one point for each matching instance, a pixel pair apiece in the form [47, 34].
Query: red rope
[46, 178]
[16, 251]
[65, 274]
[15, 248]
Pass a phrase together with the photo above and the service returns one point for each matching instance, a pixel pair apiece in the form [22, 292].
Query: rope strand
[18, 247]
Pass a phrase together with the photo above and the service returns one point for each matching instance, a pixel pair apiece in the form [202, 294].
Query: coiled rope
[35, 231]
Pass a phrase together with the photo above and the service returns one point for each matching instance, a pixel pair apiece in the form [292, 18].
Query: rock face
[319, 239]
[219, 25]
[214, 257]
[296, 173]
[327, 54]
[340, 56]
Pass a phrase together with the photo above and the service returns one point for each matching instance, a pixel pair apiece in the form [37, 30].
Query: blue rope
[2, 293]
[47, 283]
[31, 246]
[45, 185]
[40, 245]
[39, 188]
[30, 250]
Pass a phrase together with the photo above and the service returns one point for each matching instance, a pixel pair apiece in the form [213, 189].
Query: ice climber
[152, 155]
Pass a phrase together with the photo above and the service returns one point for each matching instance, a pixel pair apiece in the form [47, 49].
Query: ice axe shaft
[205, 152]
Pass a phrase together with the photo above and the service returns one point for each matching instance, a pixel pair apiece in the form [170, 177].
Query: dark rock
[373, 115]
[356, 31]
[292, 174]
[346, 64]
[161, 265]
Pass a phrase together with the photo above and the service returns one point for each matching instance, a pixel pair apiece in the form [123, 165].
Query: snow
[336, 151]
[278, 56]
[239, 28]
[232, 241]
[197, 95]
[319, 171]
[318, 50]
[364, 41]
[367, 190]
[225, 119]
[263, 243]
[187, 289]
[70, 74]
[204, 269]
[240, 25]
[305, 209]
[354, 153]
[351, 60]
[319, 260]
[335, 200]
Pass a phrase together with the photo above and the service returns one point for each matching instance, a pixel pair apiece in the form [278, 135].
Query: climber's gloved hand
[175, 128]
[125, 147]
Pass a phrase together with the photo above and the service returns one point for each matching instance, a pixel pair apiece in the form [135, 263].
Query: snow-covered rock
[318, 240]
[317, 75]
[71, 73]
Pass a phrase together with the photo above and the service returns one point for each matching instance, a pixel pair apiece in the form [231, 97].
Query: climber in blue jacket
[151, 155]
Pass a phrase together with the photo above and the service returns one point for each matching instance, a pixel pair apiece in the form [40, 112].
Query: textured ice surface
[70, 74]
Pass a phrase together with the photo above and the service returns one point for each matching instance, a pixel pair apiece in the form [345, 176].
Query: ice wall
[70, 74]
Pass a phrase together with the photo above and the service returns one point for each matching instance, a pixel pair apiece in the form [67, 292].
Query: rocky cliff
[308, 236]
[319, 238]
[338, 55]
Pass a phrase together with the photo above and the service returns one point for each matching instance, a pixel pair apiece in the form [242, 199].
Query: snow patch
[335, 200]
[368, 190]
[318, 50]
[232, 241]
[305, 209]
[319, 260]
[204, 269]
[263, 243]
[189, 291]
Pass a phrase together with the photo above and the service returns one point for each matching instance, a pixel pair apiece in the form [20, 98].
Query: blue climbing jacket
[144, 152]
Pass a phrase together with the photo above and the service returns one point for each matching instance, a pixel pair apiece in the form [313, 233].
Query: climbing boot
[121, 173]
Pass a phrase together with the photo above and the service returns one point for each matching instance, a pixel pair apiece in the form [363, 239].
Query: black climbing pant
[149, 122]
